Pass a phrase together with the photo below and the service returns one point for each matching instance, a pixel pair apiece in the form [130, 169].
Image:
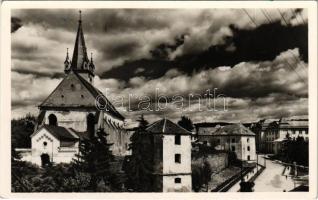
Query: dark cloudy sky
[259, 64]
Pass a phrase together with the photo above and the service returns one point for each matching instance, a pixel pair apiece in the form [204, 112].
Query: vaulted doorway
[45, 160]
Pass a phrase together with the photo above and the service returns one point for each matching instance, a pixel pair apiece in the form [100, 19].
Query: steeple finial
[91, 64]
[66, 53]
[80, 16]
[67, 62]
[67, 57]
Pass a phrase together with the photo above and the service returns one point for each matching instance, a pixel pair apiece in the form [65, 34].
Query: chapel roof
[59, 132]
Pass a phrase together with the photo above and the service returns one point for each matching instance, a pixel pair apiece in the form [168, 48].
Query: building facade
[275, 132]
[236, 138]
[172, 157]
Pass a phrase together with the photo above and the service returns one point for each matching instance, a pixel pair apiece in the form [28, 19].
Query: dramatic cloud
[257, 59]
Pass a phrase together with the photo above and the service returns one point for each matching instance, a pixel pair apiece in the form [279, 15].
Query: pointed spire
[91, 64]
[67, 62]
[80, 59]
[67, 58]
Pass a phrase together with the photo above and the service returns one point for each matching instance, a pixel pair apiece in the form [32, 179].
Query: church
[70, 113]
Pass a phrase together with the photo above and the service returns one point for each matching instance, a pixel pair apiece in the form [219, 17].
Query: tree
[142, 123]
[139, 170]
[94, 158]
[21, 129]
[186, 123]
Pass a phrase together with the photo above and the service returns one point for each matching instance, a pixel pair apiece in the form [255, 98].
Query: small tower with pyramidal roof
[80, 62]
[171, 157]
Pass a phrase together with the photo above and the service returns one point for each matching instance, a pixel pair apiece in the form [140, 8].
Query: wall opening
[177, 139]
[177, 158]
[52, 120]
[45, 160]
[177, 180]
[90, 124]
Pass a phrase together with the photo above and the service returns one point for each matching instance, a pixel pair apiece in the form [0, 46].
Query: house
[172, 156]
[260, 129]
[205, 130]
[292, 128]
[236, 138]
[75, 109]
[275, 131]
[53, 144]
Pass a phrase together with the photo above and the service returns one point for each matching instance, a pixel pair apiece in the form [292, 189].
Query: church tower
[80, 62]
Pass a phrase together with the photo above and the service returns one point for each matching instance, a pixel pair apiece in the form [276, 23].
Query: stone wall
[217, 161]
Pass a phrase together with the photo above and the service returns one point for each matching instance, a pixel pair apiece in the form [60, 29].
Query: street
[271, 179]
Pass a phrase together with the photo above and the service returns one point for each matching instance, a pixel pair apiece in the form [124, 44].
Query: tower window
[248, 157]
[177, 180]
[45, 144]
[233, 148]
[248, 148]
[82, 96]
[62, 96]
[52, 120]
[177, 139]
[72, 87]
[177, 158]
[248, 139]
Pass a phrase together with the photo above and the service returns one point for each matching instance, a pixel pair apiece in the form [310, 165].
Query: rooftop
[59, 132]
[234, 129]
[165, 126]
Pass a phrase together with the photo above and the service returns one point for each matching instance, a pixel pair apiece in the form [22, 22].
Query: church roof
[74, 92]
[166, 126]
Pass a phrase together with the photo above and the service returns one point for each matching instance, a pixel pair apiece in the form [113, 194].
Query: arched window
[52, 120]
[90, 124]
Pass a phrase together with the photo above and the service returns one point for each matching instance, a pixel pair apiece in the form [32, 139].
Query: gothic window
[52, 120]
[177, 139]
[177, 180]
[90, 124]
[177, 158]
